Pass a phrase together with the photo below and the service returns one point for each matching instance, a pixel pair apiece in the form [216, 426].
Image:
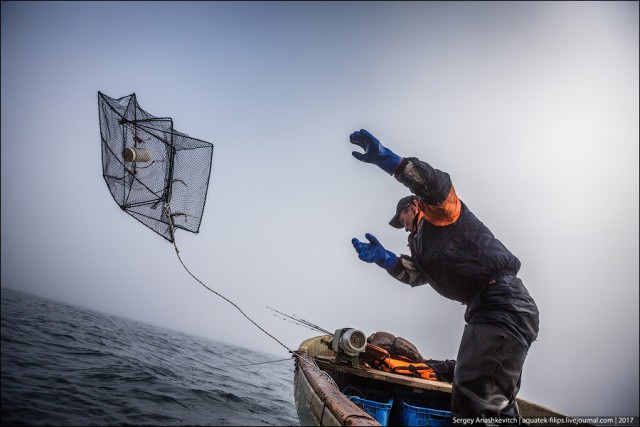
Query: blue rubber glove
[374, 152]
[374, 252]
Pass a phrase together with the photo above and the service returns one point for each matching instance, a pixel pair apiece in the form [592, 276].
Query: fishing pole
[303, 321]
[295, 323]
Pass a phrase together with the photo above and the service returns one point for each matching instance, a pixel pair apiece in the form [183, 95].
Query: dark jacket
[453, 251]
[457, 259]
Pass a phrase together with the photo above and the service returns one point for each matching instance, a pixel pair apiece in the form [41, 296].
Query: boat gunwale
[341, 408]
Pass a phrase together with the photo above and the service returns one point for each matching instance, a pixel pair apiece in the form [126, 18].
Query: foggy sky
[532, 108]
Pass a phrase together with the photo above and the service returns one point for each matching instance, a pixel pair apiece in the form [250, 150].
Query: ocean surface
[65, 365]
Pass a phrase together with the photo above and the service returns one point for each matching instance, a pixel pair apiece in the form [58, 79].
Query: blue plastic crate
[378, 410]
[410, 415]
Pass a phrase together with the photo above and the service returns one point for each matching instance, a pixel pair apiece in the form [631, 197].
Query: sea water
[66, 365]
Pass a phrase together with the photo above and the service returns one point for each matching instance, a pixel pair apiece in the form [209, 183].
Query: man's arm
[401, 268]
[432, 185]
[441, 203]
[408, 272]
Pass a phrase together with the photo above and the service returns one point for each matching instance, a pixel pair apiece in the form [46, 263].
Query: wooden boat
[319, 383]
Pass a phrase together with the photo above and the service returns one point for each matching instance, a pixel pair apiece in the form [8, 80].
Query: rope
[173, 239]
[295, 354]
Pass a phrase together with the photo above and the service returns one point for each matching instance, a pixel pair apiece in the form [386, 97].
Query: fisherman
[461, 259]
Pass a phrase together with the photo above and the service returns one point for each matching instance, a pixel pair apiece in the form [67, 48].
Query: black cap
[403, 203]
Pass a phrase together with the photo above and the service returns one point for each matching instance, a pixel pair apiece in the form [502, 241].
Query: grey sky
[531, 107]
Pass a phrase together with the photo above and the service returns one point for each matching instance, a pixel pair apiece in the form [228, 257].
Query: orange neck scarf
[440, 215]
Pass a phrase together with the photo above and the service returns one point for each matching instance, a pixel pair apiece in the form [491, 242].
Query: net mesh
[146, 164]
